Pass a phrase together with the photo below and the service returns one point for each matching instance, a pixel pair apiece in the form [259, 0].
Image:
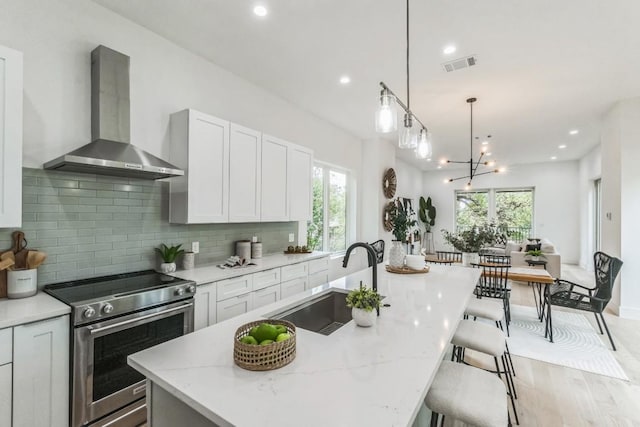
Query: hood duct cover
[110, 153]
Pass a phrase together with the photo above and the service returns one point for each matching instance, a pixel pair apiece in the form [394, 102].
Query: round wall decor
[389, 183]
[387, 216]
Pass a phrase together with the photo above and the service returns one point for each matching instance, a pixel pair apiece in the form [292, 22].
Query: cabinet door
[264, 279]
[41, 374]
[318, 265]
[10, 138]
[294, 271]
[318, 279]
[5, 395]
[275, 199]
[234, 287]
[292, 287]
[233, 307]
[205, 303]
[244, 174]
[300, 183]
[266, 296]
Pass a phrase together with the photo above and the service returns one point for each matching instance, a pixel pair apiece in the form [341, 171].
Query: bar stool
[467, 394]
[487, 340]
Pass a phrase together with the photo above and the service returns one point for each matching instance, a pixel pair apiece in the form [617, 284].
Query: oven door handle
[163, 313]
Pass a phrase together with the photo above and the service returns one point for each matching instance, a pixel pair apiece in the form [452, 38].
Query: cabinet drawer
[293, 287]
[6, 345]
[318, 279]
[266, 296]
[317, 265]
[234, 287]
[233, 307]
[266, 278]
[294, 271]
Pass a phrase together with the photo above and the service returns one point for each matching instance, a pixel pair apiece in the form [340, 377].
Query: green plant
[535, 252]
[169, 253]
[427, 213]
[472, 239]
[402, 220]
[364, 298]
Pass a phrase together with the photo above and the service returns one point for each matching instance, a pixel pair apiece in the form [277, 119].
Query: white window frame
[350, 208]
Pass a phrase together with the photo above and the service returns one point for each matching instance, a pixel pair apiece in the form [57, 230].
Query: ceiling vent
[460, 63]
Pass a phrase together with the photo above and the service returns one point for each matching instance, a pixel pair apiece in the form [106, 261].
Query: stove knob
[191, 289]
[179, 292]
[89, 312]
[107, 309]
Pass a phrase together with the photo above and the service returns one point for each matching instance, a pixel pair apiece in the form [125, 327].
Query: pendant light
[414, 134]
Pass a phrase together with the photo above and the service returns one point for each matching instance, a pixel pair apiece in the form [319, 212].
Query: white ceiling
[544, 66]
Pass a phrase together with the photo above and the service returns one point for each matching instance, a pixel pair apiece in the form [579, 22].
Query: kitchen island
[374, 376]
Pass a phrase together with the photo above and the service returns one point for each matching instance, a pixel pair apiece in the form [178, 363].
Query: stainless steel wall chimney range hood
[111, 153]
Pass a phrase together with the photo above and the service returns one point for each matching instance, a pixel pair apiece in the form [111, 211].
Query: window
[511, 209]
[328, 229]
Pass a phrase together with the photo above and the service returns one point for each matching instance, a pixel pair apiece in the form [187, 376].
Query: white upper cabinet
[275, 196]
[10, 138]
[199, 145]
[245, 162]
[300, 183]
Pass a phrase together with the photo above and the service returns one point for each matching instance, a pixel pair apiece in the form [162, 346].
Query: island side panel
[167, 411]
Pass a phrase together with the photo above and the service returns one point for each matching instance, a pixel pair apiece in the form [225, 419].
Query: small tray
[406, 270]
[294, 252]
[264, 357]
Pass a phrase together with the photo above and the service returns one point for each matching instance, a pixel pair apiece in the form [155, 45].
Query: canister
[256, 250]
[243, 249]
[22, 283]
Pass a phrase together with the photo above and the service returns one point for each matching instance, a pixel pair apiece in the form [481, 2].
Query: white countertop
[212, 273]
[26, 310]
[374, 376]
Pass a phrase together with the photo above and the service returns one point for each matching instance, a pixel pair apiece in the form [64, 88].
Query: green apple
[266, 342]
[283, 337]
[249, 340]
[281, 329]
[265, 331]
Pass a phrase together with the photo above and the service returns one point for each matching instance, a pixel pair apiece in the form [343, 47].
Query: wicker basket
[264, 357]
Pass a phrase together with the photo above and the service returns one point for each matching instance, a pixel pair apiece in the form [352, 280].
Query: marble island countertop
[355, 376]
[208, 273]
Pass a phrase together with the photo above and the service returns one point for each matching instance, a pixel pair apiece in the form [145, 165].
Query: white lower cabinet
[41, 373]
[205, 305]
[293, 287]
[5, 395]
[266, 278]
[234, 306]
[234, 287]
[266, 296]
[294, 271]
[317, 279]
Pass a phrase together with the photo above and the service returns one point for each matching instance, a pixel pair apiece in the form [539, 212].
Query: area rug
[576, 343]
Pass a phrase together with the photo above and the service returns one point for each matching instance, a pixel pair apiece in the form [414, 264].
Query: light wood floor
[551, 395]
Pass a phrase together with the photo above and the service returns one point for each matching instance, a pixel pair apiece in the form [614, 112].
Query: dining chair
[449, 256]
[493, 283]
[567, 294]
[378, 247]
[495, 259]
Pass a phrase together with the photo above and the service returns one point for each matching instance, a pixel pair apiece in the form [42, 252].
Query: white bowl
[415, 262]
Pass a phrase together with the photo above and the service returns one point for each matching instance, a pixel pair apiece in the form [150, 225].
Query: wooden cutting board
[3, 280]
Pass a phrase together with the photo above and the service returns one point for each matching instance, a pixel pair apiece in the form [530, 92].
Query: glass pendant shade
[386, 116]
[423, 151]
[408, 138]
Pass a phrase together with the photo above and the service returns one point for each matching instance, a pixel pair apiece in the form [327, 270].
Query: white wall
[589, 170]
[620, 184]
[556, 212]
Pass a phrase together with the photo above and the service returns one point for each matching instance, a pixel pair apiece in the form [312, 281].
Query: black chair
[495, 259]
[572, 295]
[378, 247]
[449, 256]
[493, 283]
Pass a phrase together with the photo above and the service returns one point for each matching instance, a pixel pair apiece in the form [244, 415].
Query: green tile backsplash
[93, 225]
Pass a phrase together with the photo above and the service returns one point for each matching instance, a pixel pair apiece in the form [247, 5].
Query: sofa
[518, 254]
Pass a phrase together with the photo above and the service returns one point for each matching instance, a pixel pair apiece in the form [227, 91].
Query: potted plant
[427, 215]
[364, 303]
[402, 221]
[169, 255]
[471, 240]
[535, 254]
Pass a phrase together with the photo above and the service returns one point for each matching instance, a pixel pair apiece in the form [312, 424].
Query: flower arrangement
[472, 239]
[364, 298]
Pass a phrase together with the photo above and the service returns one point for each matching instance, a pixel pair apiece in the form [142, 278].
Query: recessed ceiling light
[488, 154]
[260, 10]
[439, 167]
[553, 157]
[345, 80]
[573, 132]
[448, 50]
[562, 146]
[429, 159]
[485, 142]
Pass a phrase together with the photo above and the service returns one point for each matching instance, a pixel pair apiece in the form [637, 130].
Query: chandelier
[414, 136]
[473, 165]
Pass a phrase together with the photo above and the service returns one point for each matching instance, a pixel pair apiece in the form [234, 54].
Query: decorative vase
[469, 258]
[188, 260]
[363, 317]
[535, 258]
[168, 267]
[428, 244]
[397, 254]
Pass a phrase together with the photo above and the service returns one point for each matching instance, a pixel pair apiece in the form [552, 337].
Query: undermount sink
[323, 314]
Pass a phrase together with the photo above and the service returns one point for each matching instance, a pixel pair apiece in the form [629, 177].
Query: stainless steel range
[113, 317]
